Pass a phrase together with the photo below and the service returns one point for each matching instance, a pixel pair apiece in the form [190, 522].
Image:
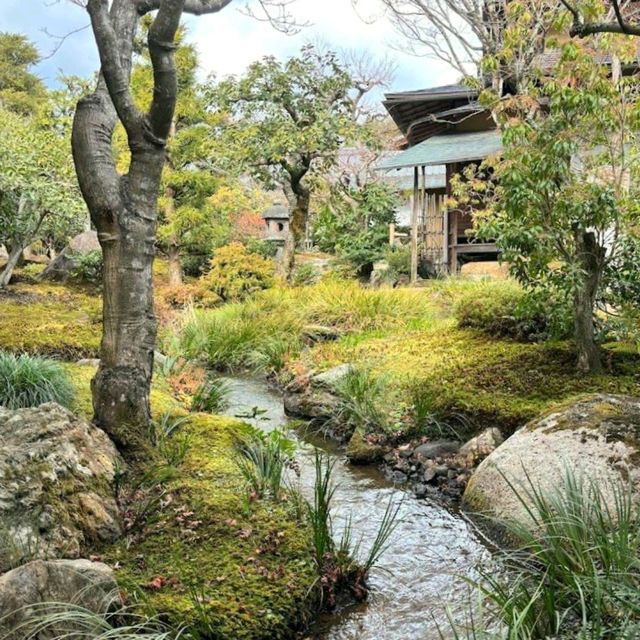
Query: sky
[228, 41]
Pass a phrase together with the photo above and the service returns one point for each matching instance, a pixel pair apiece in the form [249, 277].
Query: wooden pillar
[392, 234]
[445, 239]
[423, 212]
[414, 227]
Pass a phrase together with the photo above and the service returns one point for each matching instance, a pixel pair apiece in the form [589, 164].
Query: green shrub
[194, 264]
[305, 274]
[29, 381]
[504, 310]
[236, 273]
[88, 267]
[399, 261]
[261, 247]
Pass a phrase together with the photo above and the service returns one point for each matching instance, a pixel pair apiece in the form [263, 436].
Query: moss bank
[206, 561]
[205, 558]
[50, 319]
[485, 381]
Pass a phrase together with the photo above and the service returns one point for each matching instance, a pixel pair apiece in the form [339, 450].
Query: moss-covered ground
[411, 337]
[206, 556]
[467, 375]
[51, 319]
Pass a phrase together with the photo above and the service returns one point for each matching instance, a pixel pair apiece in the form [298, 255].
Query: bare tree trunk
[19, 243]
[299, 201]
[175, 265]
[584, 300]
[12, 262]
[123, 209]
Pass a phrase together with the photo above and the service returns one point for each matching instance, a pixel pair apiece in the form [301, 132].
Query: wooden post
[445, 239]
[414, 228]
[422, 219]
[392, 234]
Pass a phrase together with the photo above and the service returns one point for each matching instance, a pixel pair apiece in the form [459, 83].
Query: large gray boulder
[56, 485]
[24, 591]
[597, 437]
[61, 267]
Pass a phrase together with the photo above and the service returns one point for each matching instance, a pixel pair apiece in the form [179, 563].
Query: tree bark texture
[299, 200]
[584, 301]
[175, 265]
[123, 208]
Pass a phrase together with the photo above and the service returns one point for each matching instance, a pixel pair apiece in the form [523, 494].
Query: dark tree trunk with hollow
[584, 300]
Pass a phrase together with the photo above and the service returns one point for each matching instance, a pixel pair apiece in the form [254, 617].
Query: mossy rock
[56, 489]
[596, 437]
[228, 570]
[362, 451]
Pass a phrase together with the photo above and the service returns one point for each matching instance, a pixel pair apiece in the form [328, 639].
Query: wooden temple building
[446, 129]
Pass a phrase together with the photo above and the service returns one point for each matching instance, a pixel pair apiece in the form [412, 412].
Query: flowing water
[419, 576]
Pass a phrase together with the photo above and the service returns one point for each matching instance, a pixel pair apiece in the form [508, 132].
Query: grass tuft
[29, 381]
[577, 572]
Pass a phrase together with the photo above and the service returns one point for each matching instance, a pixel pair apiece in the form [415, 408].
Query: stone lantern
[276, 219]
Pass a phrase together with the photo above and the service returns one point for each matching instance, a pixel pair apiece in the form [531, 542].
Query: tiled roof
[435, 176]
[432, 93]
[445, 149]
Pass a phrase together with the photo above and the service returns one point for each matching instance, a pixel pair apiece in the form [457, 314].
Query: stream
[420, 574]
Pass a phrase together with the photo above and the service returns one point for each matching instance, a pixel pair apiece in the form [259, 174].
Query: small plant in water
[212, 396]
[340, 565]
[262, 460]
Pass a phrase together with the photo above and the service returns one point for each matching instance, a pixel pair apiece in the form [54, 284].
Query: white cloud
[229, 41]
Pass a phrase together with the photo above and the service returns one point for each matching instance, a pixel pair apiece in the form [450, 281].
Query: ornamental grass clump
[29, 381]
[363, 398]
[65, 620]
[262, 459]
[341, 565]
[576, 574]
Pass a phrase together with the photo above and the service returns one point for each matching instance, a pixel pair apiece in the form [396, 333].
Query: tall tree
[612, 16]
[493, 40]
[562, 203]
[187, 179]
[287, 123]
[21, 90]
[123, 207]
